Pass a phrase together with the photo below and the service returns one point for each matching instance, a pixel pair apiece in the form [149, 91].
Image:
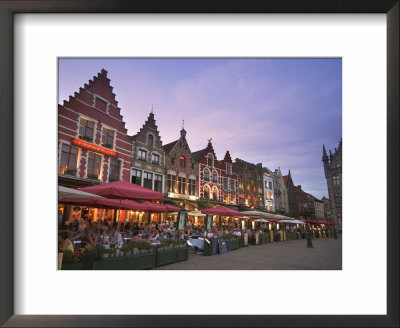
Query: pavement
[289, 255]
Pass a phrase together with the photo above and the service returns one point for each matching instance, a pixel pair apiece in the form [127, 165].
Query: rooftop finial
[183, 124]
[209, 140]
[151, 109]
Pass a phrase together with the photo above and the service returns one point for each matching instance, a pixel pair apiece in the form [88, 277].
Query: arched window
[214, 177]
[150, 140]
[215, 193]
[210, 160]
[206, 175]
[206, 192]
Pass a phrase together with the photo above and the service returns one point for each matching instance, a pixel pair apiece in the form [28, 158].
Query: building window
[115, 168]
[182, 162]
[136, 177]
[155, 158]
[141, 155]
[269, 185]
[86, 129]
[94, 165]
[210, 160]
[171, 182]
[69, 157]
[192, 187]
[206, 192]
[107, 139]
[192, 166]
[181, 185]
[214, 177]
[150, 140]
[158, 183]
[215, 193]
[233, 185]
[270, 195]
[172, 161]
[229, 168]
[206, 175]
[225, 184]
[226, 198]
[148, 180]
[100, 104]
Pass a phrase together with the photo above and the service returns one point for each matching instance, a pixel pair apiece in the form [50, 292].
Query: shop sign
[90, 146]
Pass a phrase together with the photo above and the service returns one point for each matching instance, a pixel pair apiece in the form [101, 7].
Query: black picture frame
[7, 11]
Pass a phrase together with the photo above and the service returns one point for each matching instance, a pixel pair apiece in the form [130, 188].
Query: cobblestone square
[289, 255]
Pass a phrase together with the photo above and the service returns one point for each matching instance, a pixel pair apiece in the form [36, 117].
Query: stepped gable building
[182, 174]
[218, 181]
[251, 191]
[310, 207]
[148, 157]
[291, 193]
[283, 206]
[333, 175]
[93, 145]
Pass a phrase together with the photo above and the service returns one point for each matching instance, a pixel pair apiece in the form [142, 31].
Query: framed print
[34, 35]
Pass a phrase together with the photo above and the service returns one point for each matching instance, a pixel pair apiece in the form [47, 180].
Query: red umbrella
[171, 208]
[106, 203]
[123, 189]
[222, 211]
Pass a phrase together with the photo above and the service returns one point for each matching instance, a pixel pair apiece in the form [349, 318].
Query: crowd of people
[106, 232]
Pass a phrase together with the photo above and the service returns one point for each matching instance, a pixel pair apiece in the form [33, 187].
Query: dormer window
[142, 155]
[150, 140]
[229, 168]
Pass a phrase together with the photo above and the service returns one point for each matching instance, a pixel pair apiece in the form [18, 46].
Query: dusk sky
[277, 112]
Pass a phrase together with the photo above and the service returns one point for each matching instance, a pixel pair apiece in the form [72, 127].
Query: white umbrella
[261, 220]
[64, 192]
[196, 213]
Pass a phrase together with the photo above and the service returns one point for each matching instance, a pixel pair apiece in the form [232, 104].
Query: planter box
[72, 266]
[182, 254]
[165, 257]
[115, 263]
[233, 244]
[207, 248]
[264, 239]
[143, 261]
[291, 236]
[241, 242]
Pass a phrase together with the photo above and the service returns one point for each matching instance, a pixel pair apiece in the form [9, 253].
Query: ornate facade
[93, 145]
[291, 193]
[218, 180]
[182, 176]
[148, 157]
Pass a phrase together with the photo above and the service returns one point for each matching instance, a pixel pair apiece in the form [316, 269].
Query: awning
[106, 203]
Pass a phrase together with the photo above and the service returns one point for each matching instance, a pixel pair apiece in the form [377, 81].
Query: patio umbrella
[106, 203]
[196, 213]
[261, 220]
[123, 189]
[222, 211]
[64, 192]
[171, 208]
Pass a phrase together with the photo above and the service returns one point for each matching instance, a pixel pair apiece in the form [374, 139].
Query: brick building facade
[291, 196]
[181, 172]
[250, 178]
[93, 145]
[218, 180]
[148, 157]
